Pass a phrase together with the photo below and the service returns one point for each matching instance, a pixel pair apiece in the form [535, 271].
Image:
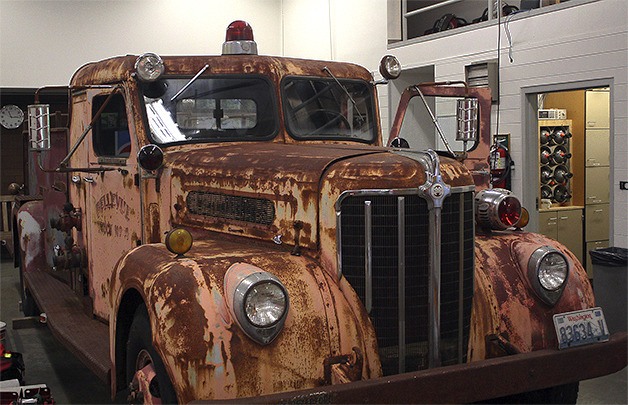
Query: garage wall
[582, 43]
[44, 42]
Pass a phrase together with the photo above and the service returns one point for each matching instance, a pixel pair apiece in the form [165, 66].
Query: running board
[86, 337]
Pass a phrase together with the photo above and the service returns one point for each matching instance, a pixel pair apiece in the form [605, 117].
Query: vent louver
[247, 209]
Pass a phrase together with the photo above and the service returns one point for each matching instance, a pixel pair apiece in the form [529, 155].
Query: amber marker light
[524, 219]
[179, 241]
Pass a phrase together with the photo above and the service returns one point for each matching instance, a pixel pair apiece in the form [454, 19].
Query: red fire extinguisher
[500, 163]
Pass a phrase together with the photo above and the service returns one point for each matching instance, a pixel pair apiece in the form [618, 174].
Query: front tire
[140, 352]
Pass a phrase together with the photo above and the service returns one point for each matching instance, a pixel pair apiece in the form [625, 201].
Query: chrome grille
[372, 225]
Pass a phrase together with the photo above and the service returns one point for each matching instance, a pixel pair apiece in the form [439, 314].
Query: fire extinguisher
[500, 164]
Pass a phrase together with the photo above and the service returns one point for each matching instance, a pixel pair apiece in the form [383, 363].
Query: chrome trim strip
[338, 244]
[401, 279]
[368, 256]
[393, 191]
[434, 288]
[461, 286]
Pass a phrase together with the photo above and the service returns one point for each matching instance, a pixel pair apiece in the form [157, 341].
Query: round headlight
[552, 271]
[149, 67]
[259, 301]
[265, 304]
[548, 270]
[389, 67]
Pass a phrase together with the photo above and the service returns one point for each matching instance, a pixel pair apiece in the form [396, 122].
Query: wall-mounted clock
[11, 116]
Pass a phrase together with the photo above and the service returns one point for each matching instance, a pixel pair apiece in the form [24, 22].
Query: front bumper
[477, 381]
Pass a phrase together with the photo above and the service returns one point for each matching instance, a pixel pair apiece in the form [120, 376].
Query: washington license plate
[580, 327]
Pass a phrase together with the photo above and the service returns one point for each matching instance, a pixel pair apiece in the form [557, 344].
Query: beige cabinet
[597, 185]
[597, 147]
[564, 225]
[596, 224]
[597, 103]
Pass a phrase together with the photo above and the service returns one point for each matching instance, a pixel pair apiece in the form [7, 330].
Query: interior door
[113, 214]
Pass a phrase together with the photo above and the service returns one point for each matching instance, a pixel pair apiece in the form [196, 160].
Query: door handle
[88, 179]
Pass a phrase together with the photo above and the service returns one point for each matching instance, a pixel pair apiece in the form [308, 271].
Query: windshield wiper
[188, 84]
[355, 106]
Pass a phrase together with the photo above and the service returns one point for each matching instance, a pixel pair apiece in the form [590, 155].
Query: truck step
[84, 336]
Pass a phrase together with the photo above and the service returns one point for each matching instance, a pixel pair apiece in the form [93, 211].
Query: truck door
[112, 214]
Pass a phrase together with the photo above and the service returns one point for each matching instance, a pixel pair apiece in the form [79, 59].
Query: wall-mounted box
[484, 74]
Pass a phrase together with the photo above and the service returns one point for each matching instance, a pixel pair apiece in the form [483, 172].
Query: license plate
[580, 327]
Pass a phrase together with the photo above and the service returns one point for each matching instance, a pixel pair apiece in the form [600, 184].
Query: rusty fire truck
[232, 228]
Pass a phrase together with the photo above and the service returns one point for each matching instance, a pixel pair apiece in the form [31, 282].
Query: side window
[110, 133]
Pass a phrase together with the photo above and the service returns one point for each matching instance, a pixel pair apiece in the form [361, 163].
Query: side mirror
[467, 117]
[399, 143]
[39, 126]
[154, 89]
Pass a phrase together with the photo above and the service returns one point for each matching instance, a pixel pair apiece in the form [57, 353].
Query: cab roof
[121, 68]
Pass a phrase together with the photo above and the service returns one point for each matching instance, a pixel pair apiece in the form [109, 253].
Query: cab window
[321, 108]
[110, 133]
[209, 109]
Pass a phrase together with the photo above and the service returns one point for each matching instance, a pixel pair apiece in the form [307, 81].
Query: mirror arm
[435, 121]
[60, 169]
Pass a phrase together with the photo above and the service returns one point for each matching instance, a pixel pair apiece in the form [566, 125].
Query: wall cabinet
[597, 187]
[597, 146]
[565, 226]
[596, 224]
[598, 108]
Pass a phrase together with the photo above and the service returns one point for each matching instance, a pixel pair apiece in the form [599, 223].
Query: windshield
[319, 108]
[207, 109]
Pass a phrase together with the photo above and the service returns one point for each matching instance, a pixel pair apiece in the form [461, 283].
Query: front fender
[505, 303]
[206, 353]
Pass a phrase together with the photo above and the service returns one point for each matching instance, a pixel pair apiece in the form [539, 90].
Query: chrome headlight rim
[263, 334]
[548, 295]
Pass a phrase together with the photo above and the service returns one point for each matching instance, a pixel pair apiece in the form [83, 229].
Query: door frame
[529, 123]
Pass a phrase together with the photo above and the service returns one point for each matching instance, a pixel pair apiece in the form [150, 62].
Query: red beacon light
[239, 39]
[497, 209]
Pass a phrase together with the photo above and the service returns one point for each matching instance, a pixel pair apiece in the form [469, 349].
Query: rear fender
[206, 353]
[505, 303]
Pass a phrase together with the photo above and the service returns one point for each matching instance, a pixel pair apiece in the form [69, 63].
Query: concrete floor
[47, 361]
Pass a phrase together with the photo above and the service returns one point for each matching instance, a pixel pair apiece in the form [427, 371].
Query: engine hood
[275, 191]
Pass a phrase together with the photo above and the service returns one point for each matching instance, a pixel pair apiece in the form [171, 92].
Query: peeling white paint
[30, 242]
